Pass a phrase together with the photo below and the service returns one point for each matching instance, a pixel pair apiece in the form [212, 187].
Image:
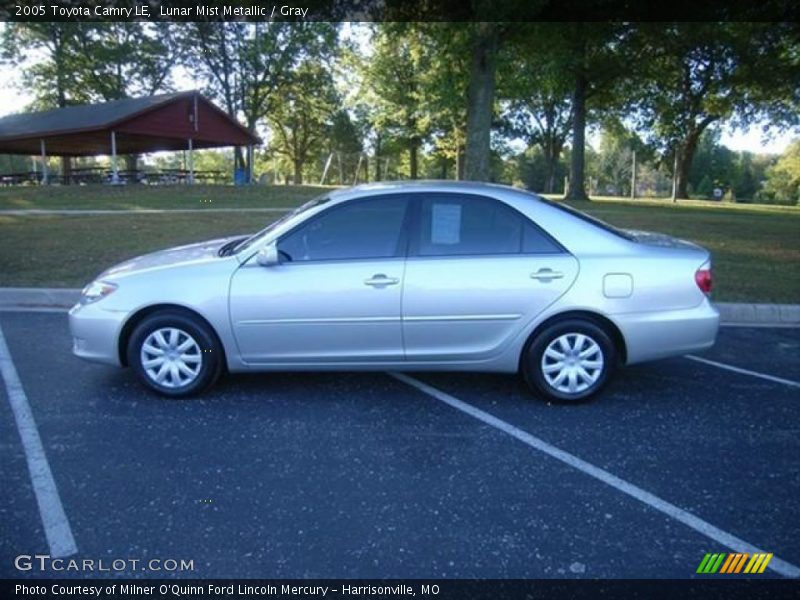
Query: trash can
[240, 177]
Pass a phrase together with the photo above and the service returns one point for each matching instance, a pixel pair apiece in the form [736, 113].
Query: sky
[14, 98]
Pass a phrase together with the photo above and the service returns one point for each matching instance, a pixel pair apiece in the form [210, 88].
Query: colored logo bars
[733, 563]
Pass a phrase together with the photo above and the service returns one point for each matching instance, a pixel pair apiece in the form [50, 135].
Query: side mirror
[268, 255]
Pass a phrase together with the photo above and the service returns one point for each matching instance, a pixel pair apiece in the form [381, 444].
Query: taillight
[702, 278]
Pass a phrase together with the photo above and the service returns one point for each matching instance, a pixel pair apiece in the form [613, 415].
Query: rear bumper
[95, 333]
[651, 336]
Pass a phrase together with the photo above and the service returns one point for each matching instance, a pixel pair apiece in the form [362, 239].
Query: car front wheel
[569, 362]
[174, 354]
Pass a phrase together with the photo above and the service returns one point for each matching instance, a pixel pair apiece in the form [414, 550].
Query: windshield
[255, 239]
[589, 219]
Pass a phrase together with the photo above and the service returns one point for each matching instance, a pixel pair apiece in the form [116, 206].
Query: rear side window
[361, 229]
[455, 225]
[589, 219]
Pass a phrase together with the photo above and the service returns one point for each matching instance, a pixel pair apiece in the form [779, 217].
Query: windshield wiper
[229, 247]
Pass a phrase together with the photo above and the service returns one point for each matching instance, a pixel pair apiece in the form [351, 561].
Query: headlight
[97, 290]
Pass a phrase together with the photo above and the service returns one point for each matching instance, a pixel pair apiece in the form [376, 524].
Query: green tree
[613, 167]
[783, 178]
[713, 160]
[599, 59]
[697, 74]
[705, 189]
[301, 116]
[123, 59]
[345, 141]
[537, 100]
[444, 84]
[242, 65]
[391, 82]
[49, 77]
[554, 78]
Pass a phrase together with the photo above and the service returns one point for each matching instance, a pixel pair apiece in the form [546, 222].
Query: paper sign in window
[446, 224]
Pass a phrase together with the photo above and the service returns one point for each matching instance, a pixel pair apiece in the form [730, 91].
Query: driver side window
[360, 229]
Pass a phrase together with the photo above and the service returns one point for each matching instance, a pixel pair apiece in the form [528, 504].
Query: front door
[335, 297]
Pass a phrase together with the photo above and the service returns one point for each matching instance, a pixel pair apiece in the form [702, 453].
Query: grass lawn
[154, 196]
[756, 250]
[755, 255]
[53, 251]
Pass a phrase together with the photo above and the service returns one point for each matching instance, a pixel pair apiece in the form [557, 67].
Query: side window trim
[401, 249]
[416, 230]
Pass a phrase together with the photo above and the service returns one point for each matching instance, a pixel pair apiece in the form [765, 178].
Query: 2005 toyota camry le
[409, 276]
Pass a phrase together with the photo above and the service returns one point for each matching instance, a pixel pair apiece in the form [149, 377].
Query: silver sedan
[403, 277]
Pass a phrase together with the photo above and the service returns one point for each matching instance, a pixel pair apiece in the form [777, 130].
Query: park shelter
[176, 121]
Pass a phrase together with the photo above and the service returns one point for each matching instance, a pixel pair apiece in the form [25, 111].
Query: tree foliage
[783, 178]
[697, 74]
[303, 114]
[484, 99]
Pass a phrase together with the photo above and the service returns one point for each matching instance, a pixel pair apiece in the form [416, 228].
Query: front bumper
[651, 336]
[95, 333]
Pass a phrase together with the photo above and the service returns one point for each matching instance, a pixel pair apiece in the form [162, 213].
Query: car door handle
[546, 275]
[381, 280]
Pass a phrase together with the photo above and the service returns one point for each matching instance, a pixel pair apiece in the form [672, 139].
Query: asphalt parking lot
[364, 475]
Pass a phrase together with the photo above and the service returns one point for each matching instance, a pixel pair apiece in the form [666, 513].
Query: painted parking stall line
[54, 519]
[703, 527]
[741, 371]
[37, 309]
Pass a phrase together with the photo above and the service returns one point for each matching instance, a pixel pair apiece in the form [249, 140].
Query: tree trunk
[480, 99]
[132, 165]
[66, 170]
[66, 161]
[298, 172]
[577, 184]
[551, 162]
[413, 153]
[378, 157]
[460, 162]
[686, 152]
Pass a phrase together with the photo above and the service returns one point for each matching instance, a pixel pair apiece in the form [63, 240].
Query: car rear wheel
[569, 362]
[174, 354]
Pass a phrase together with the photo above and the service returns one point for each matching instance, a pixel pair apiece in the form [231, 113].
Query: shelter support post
[190, 176]
[114, 165]
[45, 174]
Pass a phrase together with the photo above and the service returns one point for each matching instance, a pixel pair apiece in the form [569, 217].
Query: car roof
[426, 185]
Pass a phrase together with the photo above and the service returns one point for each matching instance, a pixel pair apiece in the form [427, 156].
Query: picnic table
[92, 175]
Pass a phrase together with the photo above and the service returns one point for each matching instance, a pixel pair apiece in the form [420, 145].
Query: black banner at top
[398, 10]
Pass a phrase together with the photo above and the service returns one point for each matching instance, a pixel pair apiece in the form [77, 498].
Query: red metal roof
[148, 124]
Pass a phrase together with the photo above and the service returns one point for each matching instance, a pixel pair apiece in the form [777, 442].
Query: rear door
[477, 271]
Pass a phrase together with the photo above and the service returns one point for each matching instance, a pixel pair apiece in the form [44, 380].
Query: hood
[661, 240]
[180, 255]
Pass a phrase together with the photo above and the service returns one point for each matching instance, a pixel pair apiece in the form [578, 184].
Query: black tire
[532, 366]
[210, 353]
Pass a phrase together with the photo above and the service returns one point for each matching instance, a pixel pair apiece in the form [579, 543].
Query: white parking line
[33, 309]
[762, 325]
[707, 529]
[720, 365]
[54, 519]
